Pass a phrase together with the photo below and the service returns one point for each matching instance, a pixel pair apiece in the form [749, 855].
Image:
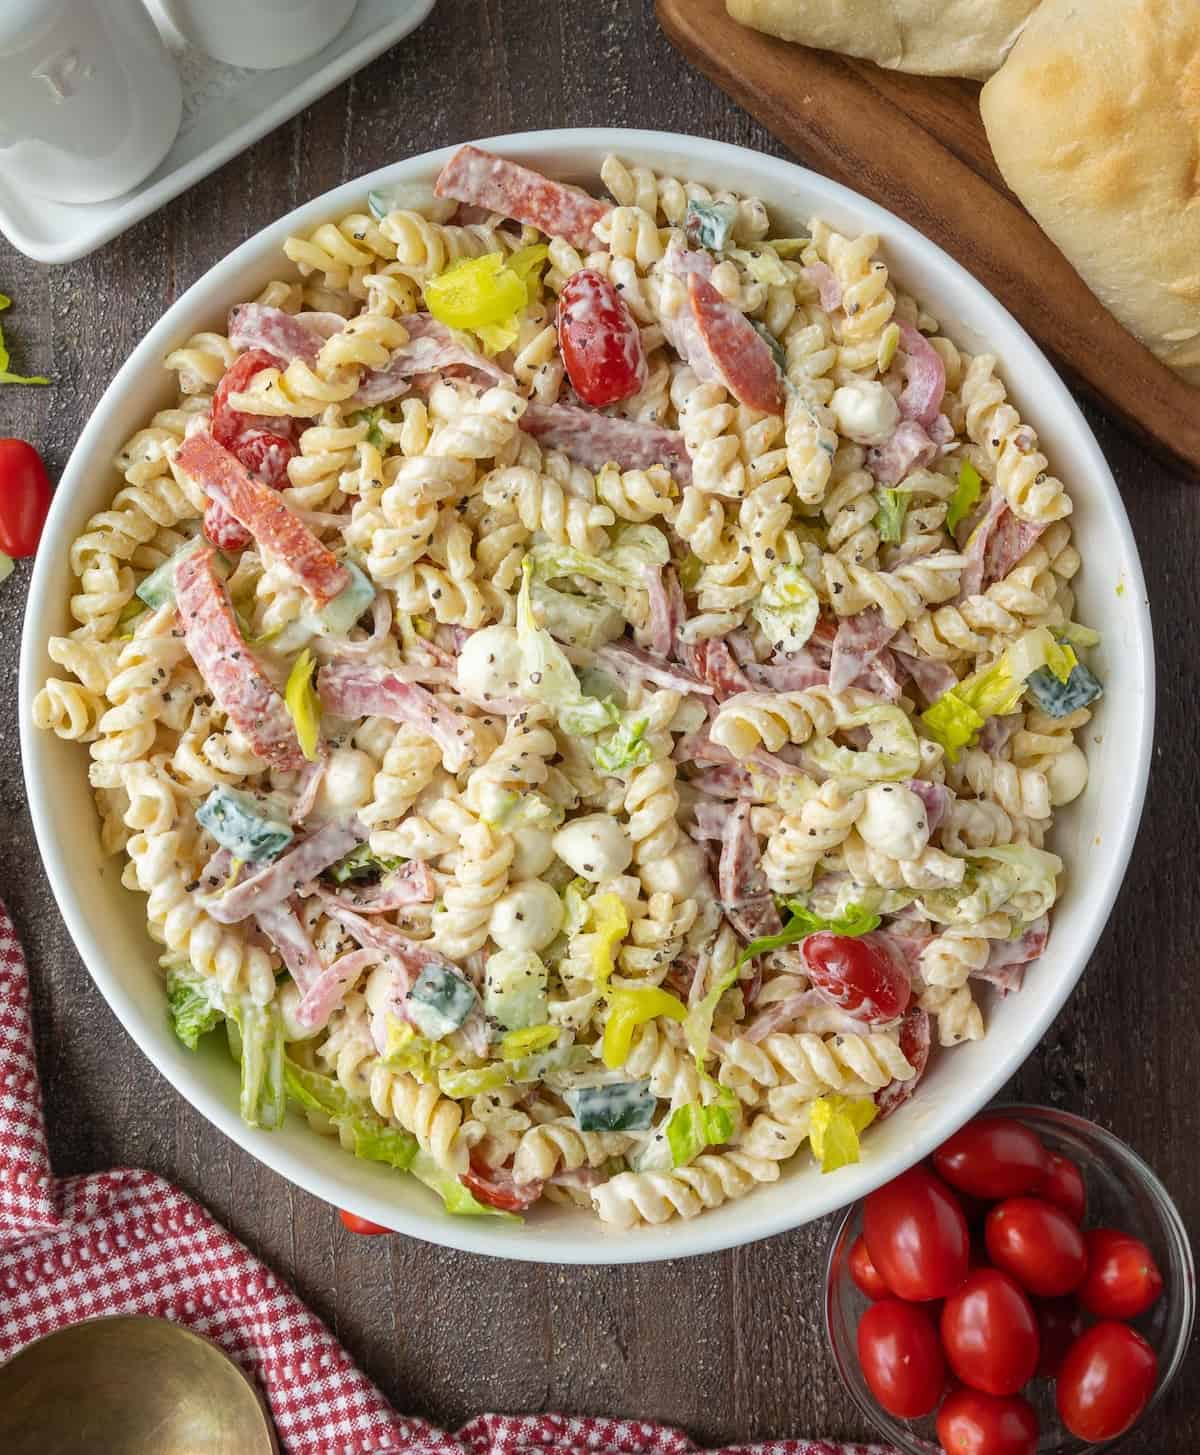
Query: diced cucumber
[440, 1001]
[625, 1106]
[336, 618]
[159, 587]
[515, 989]
[362, 864]
[709, 224]
[1059, 699]
[250, 826]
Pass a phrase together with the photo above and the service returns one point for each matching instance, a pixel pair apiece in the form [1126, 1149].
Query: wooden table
[732, 1346]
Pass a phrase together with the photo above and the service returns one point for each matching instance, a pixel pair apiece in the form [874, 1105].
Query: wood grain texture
[730, 1347]
[917, 146]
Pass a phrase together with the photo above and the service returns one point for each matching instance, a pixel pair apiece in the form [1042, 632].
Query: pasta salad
[584, 684]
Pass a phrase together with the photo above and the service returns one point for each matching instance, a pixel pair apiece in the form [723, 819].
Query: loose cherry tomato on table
[24, 498]
[1122, 1277]
[858, 974]
[360, 1225]
[990, 1334]
[1106, 1381]
[864, 1272]
[1063, 1186]
[1038, 1244]
[973, 1423]
[1060, 1323]
[993, 1157]
[916, 1236]
[599, 340]
[901, 1358]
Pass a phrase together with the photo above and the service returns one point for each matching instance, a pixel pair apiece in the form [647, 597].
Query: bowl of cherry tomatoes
[1029, 1290]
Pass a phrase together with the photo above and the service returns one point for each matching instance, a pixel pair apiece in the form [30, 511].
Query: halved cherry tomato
[1105, 1381]
[915, 1040]
[1063, 1186]
[973, 1423]
[228, 423]
[360, 1225]
[24, 498]
[864, 1272]
[990, 1333]
[1122, 1277]
[498, 1189]
[916, 1236]
[1038, 1244]
[858, 974]
[993, 1157]
[599, 339]
[266, 455]
[1060, 1323]
[901, 1358]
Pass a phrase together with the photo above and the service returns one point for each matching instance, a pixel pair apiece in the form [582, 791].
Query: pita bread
[1095, 123]
[929, 37]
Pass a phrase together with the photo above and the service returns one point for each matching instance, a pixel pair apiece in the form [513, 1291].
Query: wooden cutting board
[916, 145]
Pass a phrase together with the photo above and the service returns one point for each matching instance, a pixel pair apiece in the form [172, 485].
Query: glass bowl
[1123, 1193]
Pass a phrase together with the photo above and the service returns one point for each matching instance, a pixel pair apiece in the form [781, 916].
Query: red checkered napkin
[126, 1242]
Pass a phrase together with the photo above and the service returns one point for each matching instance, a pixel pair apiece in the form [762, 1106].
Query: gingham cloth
[126, 1242]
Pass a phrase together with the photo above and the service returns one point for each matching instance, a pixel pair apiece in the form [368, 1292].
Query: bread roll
[929, 37]
[1095, 122]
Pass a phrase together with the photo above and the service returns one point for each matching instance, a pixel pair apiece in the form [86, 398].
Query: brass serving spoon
[129, 1386]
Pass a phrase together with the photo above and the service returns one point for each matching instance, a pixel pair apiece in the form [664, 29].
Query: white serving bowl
[1095, 836]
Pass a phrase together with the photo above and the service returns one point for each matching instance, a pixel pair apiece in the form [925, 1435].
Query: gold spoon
[129, 1386]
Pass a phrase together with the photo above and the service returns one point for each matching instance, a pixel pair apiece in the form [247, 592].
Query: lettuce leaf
[893, 754]
[787, 608]
[691, 1128]
[546, 674]
[192, 1012]
[889, 518]
[263, 1097]
[456, 1198]
[625, 747]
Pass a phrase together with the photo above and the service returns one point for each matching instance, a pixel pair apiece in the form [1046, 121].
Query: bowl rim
[679, 1238]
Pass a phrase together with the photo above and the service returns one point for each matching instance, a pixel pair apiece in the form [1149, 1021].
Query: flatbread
[1095, 122]
[928, 37]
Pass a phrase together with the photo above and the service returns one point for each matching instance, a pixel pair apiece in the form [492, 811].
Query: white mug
[259, 34]
[90, 99]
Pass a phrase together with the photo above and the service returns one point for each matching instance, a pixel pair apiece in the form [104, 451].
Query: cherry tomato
[497, 1188]
[1122, 1277]
[973, 1423]
[1105, 1381]
[917, 1236]
[24, 498]
[914, 1042]
[992, 1157]
[990, 1333]
[599, 339]
[901, 1358]
[859, 974]
[1060, 1323]
[1038, 1244]
[229, 423]
[266, 455]
[360, 1225]
[1063, 1186]
[864, 1272]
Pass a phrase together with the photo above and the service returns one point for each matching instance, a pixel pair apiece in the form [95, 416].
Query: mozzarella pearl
[595, 846]
[489, 664]
[526, 917]
[894, 821]
[1067, 776]
[345, 785]
[682, 873]
[533, 853]
[865, 412]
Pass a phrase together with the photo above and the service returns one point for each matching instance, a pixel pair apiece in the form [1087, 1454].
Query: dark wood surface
[731, 1346]
[917, 145]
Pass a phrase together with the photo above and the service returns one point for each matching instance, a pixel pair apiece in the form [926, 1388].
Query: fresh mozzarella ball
[1067, 776]
[894, 821]
[526, 917]
[595, 846]
[346, 784]
[533, 853]
[489, 664]
[682, 873]
[865, 412]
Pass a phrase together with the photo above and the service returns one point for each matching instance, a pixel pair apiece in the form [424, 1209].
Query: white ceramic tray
[225, 109]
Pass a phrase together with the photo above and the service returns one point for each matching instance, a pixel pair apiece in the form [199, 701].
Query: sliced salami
[431, 346]
[282, 927]
[350, 689]
[413, 884]
[594, 439]
[908, 448]
[475, 176]
[925, 378]
[1005, 968]
[277, 883]
[915, 1041]
[280, 533]
[231, 671]
[741, 354]
[256, 326]
[859, 641]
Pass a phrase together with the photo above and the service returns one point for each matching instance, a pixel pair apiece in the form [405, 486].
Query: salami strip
[231, 672]
[858, 643]
[353, 690]
[925, 378]
[414, 884]
[279, 881]
[743, 358]
[915, 1040]
[475, 176]
[632, 664]
[594, 439]
[823, 278]
[1005, 968]
[909, 448]
[932, 678]
[282, 927]
[431, 346]
[279, 531]
[255, 326]
[326, 993]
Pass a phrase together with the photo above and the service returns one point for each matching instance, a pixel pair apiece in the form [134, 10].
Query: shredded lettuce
[624, 563]
[303, 704]
[473, 1080]
[192, 1012]
[692, 1127]
[889, 518]
[546, 674]
[259, 1046]
[1016, 877]
[590, 622]
[1078, 636]
[787, 608]
[5, 376]
[628, 1009]
[317, 1092]
[505, 808]
[371, 418]
[626, 747]
[763, 264]
[405, 1050]
[953, 723]
[853, 922]
[374, 1141]
[966, 496]
[575, 896]
[834, 1126]
[362, 863]
[456, 1198]
[894, 752]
